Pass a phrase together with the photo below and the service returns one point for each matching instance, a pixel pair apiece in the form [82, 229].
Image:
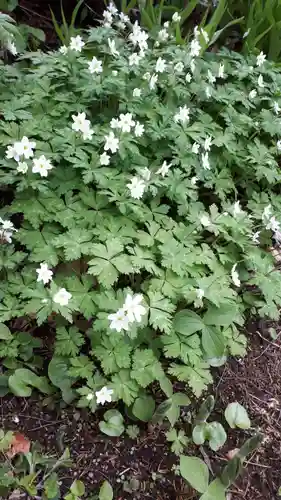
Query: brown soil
[254, 381]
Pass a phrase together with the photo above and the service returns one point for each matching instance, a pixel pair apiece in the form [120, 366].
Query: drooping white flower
[276, 108]
[195, 148]
[194, 180]
[134, 59]
[62, 297]
[104, 396]
[111, 142]
[200, 293]
[27, 147]
[112, 47]
[164, 169]
[76, 43]
[42, 166]
[176, 17]
[11, 47]
[188, 77]
[22, 167]
[63, 49]
[161, 65]
[208, 143]
[133, 307]
[44, 273]
[183, 115]
[221, 71]
[192, 65]
[237, 209]
[235, 276]
[136, 92]
[163, 35]
[95, 66]
[104, 159]
[136, 187]
[126, 122]
[139, 129]
[146, 174]
[153, 81]
[195, 48]
[15, 151]
[179, 67]
[256, 237]
[211, 77]
[246, 33]
[278, 145]
[260, 82]
[205, 35]
[205, 221]
[119, 321]
[260, 59]
[205, 161]
[252, 94]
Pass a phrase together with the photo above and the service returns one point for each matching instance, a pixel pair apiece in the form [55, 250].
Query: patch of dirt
[254, 381]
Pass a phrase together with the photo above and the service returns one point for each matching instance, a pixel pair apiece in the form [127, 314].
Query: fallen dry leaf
[19, 444]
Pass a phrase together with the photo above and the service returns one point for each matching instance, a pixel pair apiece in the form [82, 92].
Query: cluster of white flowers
[182, 115]
[6, 230]
[271, 223]
[62, 296]
[131, 312]
[111, 15]
[138, 37]
[102, 396]
[81, 124]
[76, 44]
[24, 148]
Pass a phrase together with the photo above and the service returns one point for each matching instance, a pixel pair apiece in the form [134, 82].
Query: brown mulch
[254, 381]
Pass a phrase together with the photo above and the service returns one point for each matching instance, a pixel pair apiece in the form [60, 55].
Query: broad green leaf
[112, 425]
[106, 491]
[187, 322]
[22, 381]
[5, 333]
[143, 408]
[195, 472]
[216, 435]
[77, 488]
[213, 342]
[236, 416]
[51, 486]
[215, 491]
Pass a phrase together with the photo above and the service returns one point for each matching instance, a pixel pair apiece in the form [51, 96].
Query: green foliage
[112, 425]
[148, 287]
[236, 416]
[178, 439]
[195, 472]
[106, 491]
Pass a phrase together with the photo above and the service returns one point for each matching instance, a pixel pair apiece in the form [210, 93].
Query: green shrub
[144, 206]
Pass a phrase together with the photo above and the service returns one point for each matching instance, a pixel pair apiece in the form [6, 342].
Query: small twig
[270, 343]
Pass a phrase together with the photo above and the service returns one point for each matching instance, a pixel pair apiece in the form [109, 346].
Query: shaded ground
[254, 381]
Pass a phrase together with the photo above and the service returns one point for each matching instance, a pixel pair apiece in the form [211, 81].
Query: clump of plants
[142, 199]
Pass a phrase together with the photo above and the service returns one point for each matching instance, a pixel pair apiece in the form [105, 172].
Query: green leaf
[160, 312]
[215, 491]
[77, 488]
[59, 376]
[236, 416]
[22, 380]
[213, 342]
[143, 408]
[195, 472]
[216, 435]
[224, 315]
[51, 486]
[187, 322]
[112, 425]
[5, 333]
[106, 491]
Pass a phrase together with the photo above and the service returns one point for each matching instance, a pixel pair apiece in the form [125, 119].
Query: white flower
[138, 37]
[112, 47]
[114, 72]
[152, 81]
[195, 48]
[246, 33]
[276, 108]
[6, 235]
[235, 276]
[192, 65]
[260, 82]
[166, 24]
[112, 9]
[208, 92]
[126, 122]
[90, 396]
[95, 66]
[108, 19]
[104, 396]
[252, 94]
[200, 293]
[188, 77]
[176, 17]
[22, 167]
[205, 221]
[146, 76]
[136, 92]
[205, 161]
[278, 145]
[119, 321]
[236, 209]
[182, 116]
[273, 224]
[87, 133]
[111, 142]
[63, 49]
[76, 43]
[134, 59]
[120, 25]
[256, 237]
[41, 166]
[146, 174]
[134, 308]
[163, 35]
[124, 18]
[16, 419]
[160, 65]
[193, 180]
[11, 47]
[207, 143]
[80, 124]
[260, 59]
[179, 67]
[114, 123]
[205, 35]
[221, 71]
[104, 159]
[195, 148]
[7, 225]
[44, 273]
[15, 151]
[267, 212]
[136, 187]
[62, 297]
[164, 169]
[27, 147]
[196, 32]
[139, 129]
[211, 77]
